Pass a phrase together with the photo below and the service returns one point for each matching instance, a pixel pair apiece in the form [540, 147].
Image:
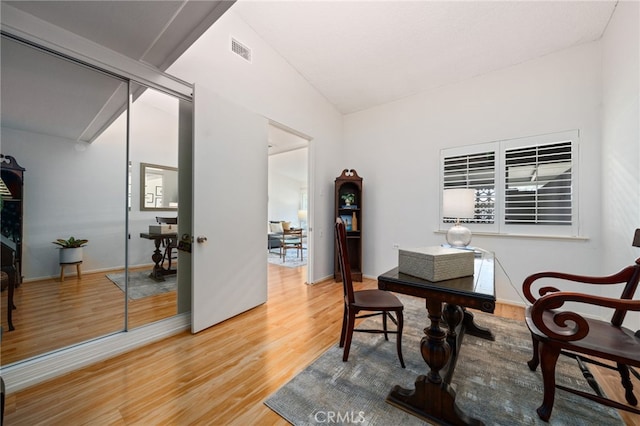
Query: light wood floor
[53, 314]
[219, 376]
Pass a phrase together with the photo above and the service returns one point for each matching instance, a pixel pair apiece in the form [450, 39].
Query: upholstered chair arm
[567, 325]
[620, 277]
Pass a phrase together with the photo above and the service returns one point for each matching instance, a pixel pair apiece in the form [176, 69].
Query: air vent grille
[240, 49]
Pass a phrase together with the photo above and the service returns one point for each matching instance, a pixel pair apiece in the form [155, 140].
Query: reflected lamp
[458, 203]
[302, 217]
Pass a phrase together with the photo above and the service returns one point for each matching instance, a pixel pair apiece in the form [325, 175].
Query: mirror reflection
[159, 187]
[63, 123]
[66, 125]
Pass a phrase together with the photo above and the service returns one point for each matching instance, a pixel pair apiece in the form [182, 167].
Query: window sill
[535, 236]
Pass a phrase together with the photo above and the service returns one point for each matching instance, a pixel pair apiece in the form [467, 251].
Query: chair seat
[604, 340]
[376, 300]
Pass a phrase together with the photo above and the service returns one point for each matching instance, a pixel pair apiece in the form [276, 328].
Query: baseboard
[85, 272]
[24, 374]
[321, 280]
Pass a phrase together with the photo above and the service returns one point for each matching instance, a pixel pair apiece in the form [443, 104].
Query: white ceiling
[288, 153]
[359, 54]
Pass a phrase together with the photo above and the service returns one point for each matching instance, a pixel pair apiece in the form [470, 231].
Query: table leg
[433, 398]
[157, 273]
[474, 329]
[453, 316]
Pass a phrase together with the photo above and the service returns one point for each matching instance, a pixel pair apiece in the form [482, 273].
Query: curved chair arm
[564, 319]
[620, 277]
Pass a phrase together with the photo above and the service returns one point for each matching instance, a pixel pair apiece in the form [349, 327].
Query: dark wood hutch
[349, 207]
[11, 222]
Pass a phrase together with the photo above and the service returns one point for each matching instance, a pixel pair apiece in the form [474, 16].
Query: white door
[229, 269]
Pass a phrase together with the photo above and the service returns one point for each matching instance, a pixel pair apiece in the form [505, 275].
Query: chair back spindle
[343, 260]
[632, 284]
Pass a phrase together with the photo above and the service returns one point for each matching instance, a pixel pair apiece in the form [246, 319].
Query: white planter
[71, 255]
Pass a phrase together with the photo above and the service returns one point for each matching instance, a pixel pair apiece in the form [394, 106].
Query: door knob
[201, 239]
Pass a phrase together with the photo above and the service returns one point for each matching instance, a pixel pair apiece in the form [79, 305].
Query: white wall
[285, 190]
[395, 148]
[70, 189]
[621, 135]
[270, 87]
[620, 151]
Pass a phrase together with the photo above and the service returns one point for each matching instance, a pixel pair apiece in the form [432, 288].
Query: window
[475, 171]
[538, 184]
[523, 186]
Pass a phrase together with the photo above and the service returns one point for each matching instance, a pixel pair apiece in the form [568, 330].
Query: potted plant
[348, 198]
[71, 249]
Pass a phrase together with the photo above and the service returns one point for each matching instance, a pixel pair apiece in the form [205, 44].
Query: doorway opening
[289, 204]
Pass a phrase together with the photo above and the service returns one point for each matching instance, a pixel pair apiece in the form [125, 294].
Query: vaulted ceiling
[358, 54]
[364, 53]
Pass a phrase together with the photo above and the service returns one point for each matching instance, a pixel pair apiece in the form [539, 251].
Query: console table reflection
[433, 398]
[158, 271]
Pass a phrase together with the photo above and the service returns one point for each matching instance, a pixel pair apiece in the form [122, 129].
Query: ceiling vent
[240, 49]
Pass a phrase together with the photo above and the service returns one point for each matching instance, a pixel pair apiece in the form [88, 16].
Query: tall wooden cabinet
[349, 207]
[11, 219]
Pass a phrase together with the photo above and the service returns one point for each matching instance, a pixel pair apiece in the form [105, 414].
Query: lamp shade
[458, 203]
[302, 215]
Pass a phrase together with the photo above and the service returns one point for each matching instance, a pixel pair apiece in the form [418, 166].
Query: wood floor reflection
[51, 315]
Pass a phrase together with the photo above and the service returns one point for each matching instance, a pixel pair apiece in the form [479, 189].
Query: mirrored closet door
[153, 212]
[65, 124]
[81, 135]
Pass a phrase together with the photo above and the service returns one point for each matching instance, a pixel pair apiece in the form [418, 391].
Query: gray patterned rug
[492, 380]
[141, 285]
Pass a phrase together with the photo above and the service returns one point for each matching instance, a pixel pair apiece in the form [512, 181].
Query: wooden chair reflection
[555, 331]
[379, 302]
[10, 279]
[170, 244]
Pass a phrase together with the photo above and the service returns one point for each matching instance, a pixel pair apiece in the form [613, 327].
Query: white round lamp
[458, 203]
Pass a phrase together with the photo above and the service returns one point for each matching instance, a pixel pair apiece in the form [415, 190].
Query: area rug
[492, 380]
[141, 285]
[291, 260]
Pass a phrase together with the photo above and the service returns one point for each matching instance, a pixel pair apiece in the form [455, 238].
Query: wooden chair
[379, 302]
[170, 243]
[555, 331]
[291, 239]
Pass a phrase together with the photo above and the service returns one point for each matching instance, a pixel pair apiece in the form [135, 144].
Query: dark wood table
[158, 271]
[433, 399]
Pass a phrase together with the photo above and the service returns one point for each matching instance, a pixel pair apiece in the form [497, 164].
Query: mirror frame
[143, 168]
